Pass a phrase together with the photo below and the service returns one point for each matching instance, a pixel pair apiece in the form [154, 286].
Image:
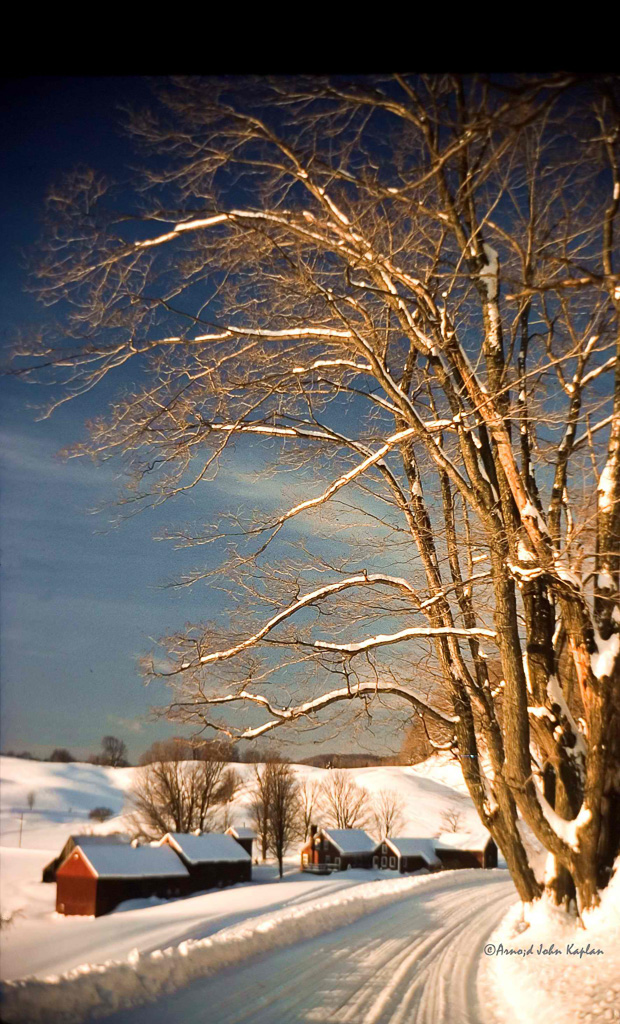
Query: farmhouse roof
[118, 860]
[407, 846]
[207, 848]
[241, 832]
[350, 840]
[114, 839]
[476, 841]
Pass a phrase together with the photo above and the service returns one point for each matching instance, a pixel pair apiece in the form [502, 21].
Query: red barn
[336, 849]
[49, 871]
[212, 859]
[95, 879]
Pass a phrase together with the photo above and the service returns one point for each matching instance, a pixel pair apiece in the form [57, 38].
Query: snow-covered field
[362, 947]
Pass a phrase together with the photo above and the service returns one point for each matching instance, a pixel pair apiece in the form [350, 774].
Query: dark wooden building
[244, 836]
[462, 850]
[49, 871]
[213, 859]
[406, 854]
[336, 849]
[95, 878]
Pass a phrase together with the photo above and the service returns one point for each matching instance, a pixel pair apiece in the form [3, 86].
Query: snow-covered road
[413, 962]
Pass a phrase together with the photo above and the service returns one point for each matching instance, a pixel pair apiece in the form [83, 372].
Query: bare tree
[388, 814]
[113, 752]
[310, 803]
[260, 805]
[345, 804]
[31, 799]
[174, 795]
[284, 820]
[231, 784]
[100, 813]
[62, 755]
[451, 819]
[414, 298]
[416, 745]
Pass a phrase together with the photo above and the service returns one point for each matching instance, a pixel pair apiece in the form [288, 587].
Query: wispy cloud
[134, 725]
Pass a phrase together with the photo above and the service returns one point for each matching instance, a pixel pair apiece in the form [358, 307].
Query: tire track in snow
[429, 967]
[414, 962]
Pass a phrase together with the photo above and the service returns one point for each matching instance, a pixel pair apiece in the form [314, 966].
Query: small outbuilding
[336, 849]
[406, 854]
[213, 859]
[244, 836]
[49, 871]
[464, 850]
[95, 878]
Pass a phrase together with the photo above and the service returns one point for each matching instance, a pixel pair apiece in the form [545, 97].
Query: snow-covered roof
[350, 840]
[88, 840]
[208, 847]
[241, 832]
[118, 860]
[407, 846]
[462, 840]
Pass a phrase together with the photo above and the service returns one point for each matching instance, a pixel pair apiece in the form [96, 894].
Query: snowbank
[543, 967]
[94, 991]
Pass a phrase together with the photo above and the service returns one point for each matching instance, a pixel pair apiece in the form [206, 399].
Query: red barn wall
[76, 887]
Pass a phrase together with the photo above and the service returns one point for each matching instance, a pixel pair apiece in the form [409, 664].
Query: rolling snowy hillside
[65, 793]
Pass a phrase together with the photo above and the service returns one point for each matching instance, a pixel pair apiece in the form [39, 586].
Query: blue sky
[80, 602]
[81, 599]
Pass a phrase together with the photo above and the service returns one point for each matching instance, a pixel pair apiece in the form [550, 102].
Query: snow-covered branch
[360, 580]
[413, 632]
[287, 715]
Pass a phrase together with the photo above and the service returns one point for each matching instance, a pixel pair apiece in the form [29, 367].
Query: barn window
[304, 858]
[337, 862]
[384, 862]
[392, 862]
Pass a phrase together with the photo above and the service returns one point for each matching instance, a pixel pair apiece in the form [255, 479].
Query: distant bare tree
[346, 804]
[452, 819]
[310, 803]
[284, 821]
[175, 795]
[416, 745]
[231, 784]
[100, 813]
[260, 806]
[388, 814]
[62, 756]
[114, 752]
[31, 799]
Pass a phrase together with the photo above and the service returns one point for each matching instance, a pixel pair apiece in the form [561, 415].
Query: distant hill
[348, 760]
